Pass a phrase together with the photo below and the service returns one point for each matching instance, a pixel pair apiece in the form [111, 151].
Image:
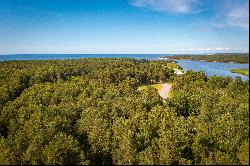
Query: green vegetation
[232, 57]
[240, 71]
[174, 66]
[89, 111]
[156, 86]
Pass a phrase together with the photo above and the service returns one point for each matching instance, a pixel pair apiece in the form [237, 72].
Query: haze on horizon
[123, 26]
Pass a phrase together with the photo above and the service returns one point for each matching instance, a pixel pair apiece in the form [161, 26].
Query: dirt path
[165, 90]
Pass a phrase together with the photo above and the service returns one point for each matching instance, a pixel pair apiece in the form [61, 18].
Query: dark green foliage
[220, 108]
[230, 57]
[89, 111]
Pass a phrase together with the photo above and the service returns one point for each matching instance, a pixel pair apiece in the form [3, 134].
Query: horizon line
[122, 53]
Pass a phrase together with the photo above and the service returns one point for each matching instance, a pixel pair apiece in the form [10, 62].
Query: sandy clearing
[165, 90]
[178, 71]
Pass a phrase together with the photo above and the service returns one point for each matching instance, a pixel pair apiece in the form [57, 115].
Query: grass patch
[244, 72]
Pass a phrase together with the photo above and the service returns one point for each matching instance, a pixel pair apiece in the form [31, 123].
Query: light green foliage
[156, 86]
[62, 149]
[124, 150]
[243, 153]
[221, 116]
[174, 66]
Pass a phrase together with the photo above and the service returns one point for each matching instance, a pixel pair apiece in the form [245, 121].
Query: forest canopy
[89, 111]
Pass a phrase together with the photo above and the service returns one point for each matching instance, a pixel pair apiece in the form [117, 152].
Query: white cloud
[239, 16]
[233, 13]
[213, 49]
[174, 6]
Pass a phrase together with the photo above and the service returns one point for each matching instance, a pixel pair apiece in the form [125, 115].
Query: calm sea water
[210, 68]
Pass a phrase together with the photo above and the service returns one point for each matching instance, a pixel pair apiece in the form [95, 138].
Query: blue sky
[123, 26]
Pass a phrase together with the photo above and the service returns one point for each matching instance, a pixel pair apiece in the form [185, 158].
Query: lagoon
[213, 68]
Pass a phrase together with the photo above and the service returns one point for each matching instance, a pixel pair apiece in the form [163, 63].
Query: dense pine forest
[222, 57]
[89, 111]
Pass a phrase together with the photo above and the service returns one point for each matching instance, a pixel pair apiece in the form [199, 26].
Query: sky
[123, 26]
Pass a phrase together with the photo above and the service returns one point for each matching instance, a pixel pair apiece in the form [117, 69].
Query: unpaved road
[165, 90]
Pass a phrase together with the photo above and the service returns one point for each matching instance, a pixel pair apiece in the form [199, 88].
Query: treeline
[89, 111]
[230, 57]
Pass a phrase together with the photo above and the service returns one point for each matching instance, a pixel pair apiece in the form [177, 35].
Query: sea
[210, 68]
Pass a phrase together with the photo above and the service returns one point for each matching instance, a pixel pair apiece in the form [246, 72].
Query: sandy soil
[165, 90]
